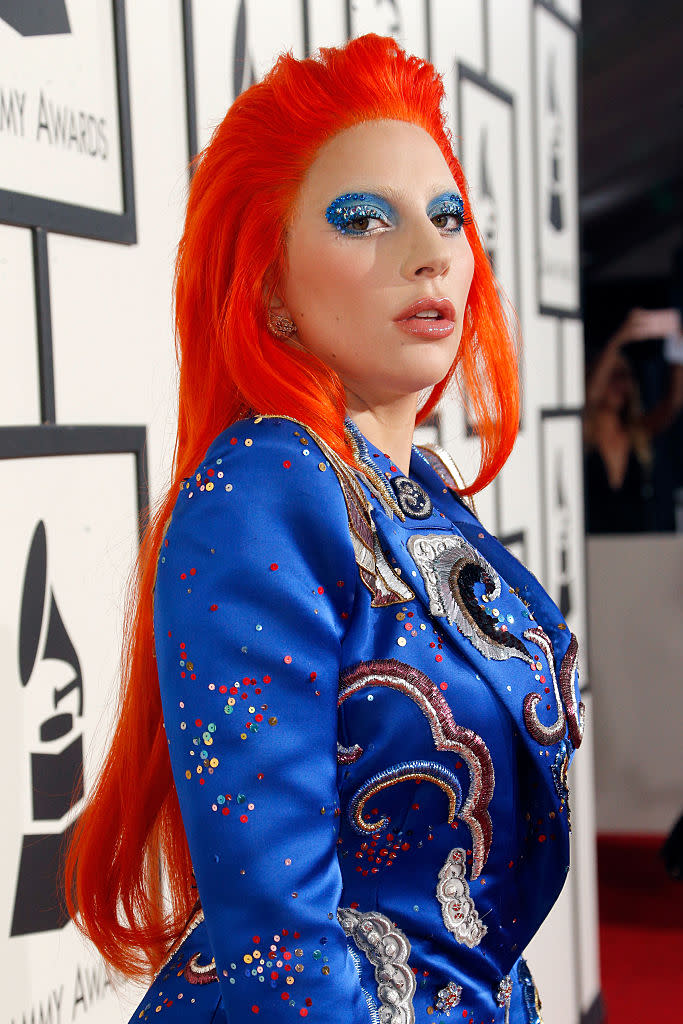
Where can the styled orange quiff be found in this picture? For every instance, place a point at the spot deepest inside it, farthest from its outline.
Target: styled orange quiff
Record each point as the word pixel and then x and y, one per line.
pixel 230 257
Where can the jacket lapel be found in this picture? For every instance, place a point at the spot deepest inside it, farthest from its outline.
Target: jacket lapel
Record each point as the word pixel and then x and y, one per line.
pixel 496 615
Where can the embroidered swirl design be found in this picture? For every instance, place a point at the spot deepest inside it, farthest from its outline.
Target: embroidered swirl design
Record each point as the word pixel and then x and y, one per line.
pixel 196 918
pixel 200 974
pixel 457 906
pixel 576 714
pixel 568 713
pixel 543 734
pixel 413 499
pixel 418 771
pixel 451 568
pixel 447 735
pixel 387 949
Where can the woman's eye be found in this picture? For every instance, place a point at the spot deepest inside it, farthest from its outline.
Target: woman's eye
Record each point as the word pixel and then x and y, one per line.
pixel 359 225
pixel 440 220
pixel 448 215
pixel 449 222
pixel 353 217
pixel 362 223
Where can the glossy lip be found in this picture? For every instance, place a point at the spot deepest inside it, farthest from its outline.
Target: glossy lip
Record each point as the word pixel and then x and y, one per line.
pixel 408 321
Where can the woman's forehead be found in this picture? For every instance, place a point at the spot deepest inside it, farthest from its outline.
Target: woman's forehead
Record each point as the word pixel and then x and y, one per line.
pixel 397 156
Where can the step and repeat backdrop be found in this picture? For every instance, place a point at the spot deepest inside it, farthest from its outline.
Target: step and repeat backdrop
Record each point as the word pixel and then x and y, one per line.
pixel 102 104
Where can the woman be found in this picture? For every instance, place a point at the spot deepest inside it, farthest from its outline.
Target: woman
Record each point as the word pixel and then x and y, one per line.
pixel 356 679
pixel 618 434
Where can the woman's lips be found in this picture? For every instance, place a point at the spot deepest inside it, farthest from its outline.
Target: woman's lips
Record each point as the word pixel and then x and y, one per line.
pixel 428 327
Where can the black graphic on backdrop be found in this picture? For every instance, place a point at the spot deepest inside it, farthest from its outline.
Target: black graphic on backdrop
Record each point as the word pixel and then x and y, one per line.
pixel 564 581
pixel 36 17
pixel 56 775
pixel 487 208
pixel 556 156
pixel 243 73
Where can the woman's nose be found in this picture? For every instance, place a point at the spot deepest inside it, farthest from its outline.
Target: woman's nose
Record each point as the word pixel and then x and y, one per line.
pixel 427 253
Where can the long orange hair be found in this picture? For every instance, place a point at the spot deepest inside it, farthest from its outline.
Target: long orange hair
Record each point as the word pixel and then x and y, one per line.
pixel 130 834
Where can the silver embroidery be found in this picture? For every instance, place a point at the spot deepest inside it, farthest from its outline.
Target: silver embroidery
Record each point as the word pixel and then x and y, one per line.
pixel 504 995
pixel 371 1004
pixel 387 949
pixel 450 568
pixel 448 998
pixel 457 906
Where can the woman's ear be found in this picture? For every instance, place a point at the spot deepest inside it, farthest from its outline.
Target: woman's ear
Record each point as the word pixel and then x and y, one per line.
pixel 280 323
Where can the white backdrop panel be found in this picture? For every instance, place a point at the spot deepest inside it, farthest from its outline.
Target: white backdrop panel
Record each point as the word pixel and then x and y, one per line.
pixel 584 861
pixel 111 304
pixel 326 23
pixel 404 20
pixel 234 44
pixel 88 505
pixel 19 392
pixel 573 360
pixel 556 162
pixel 66 143
pixel 552 960
pixel 457 35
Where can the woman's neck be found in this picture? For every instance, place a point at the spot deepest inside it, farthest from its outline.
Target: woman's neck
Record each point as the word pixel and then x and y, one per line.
pixel 390 428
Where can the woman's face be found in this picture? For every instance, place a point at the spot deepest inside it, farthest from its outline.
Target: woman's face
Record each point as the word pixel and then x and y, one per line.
pixel 377 229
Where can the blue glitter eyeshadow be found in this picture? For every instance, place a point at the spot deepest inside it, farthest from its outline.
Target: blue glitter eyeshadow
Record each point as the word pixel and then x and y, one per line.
pixel 449 204
pixel 353 205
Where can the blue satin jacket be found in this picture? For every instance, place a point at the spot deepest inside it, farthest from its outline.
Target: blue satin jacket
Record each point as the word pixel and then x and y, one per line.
pixel 370 707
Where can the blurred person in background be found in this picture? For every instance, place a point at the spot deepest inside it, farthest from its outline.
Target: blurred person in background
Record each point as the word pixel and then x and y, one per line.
pixel 619 433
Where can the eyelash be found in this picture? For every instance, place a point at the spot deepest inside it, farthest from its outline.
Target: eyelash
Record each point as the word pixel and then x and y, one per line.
pixel 343 217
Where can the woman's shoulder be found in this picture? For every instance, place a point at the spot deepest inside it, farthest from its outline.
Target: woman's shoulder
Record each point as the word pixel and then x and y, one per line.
pixel 265 469
pixel 267 432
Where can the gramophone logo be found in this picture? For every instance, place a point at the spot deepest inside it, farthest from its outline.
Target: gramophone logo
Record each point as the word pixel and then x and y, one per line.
pixel 36 17
pixel 565 601
pixel 487 206
pixel 50 673
pixel 243 73
pixel 556 157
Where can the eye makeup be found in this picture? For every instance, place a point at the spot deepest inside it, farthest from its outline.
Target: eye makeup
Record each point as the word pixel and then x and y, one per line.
pixel 353 206
pixel 344 211
pixel 450 204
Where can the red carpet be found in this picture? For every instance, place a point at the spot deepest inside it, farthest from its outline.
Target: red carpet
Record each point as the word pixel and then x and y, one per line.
pixel 641 932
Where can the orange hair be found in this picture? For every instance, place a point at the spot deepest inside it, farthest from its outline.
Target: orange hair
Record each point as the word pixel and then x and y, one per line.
pixel 229 260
